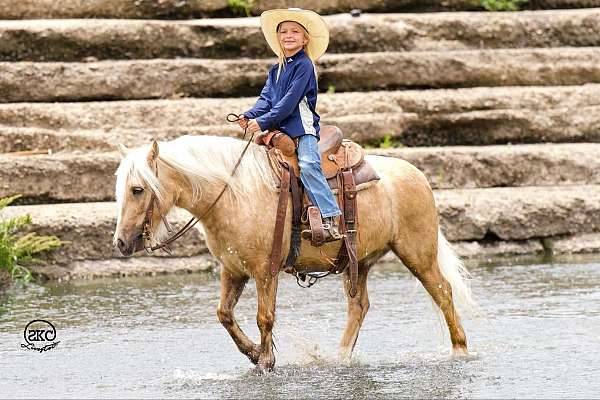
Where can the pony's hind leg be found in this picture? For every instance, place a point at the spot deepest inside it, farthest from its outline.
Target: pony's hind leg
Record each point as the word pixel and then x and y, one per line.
pixel 420 256
pixel 358 306
pixel 231 289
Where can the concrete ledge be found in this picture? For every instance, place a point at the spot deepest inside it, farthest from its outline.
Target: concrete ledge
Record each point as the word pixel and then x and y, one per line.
pixel 486 251
pixel 65 177
pixel 122 267
pixel 28 9
pixel 574 244
pixel 77 40
pixel 472 252
pixel 518 213
pixel 25 139
pixel 469 116
pixel 153 79
pixel 505 214
pixel 504 166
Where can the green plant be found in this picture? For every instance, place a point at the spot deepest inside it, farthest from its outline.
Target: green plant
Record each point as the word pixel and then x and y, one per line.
pixel 18 250
pixel 502 5
pixel 388 142
pixel 330 89
pixel 241 6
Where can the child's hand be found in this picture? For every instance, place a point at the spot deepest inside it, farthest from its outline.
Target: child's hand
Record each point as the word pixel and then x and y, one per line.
pixel 253 126
pixel 243 121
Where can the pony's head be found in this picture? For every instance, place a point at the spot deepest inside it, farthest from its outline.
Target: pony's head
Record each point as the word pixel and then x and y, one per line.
pixel 142 200
pixel 189 172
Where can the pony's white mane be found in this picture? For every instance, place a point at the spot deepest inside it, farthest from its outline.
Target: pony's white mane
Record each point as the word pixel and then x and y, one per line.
pixel 204 160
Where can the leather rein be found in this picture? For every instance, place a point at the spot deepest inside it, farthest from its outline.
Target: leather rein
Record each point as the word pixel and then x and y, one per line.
pixel 147 225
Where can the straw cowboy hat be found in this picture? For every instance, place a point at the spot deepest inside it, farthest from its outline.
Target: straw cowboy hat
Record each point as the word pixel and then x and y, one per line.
pixel 311 21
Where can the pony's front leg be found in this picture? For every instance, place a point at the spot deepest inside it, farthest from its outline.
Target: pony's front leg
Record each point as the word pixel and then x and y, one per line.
pixel 266 288
pixel 231 288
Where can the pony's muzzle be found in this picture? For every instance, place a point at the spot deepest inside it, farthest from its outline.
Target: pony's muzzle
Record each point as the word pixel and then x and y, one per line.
pixel 123 248
pixel 128 247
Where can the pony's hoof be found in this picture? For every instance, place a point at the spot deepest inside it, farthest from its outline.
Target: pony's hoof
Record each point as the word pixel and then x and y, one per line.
pixel 345 356
pixel 264 368
pixel 254 354
pixel 460 352
pixel 265 364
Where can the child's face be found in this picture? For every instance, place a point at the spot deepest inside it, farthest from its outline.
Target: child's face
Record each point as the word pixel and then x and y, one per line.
pixel 291 36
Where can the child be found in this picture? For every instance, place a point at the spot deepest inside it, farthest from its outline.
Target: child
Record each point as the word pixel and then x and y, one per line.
pixel 287 102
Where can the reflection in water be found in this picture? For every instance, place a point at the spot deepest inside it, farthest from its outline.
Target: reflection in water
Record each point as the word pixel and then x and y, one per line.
pixel 159 336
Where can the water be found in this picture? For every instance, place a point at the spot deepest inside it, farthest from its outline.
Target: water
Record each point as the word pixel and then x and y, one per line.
pixel 159 337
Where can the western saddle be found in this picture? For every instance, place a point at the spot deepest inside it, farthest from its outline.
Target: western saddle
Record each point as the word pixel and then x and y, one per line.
pixel 346 171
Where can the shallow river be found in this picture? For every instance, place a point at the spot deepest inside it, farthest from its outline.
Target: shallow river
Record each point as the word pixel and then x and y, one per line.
pixel 159 337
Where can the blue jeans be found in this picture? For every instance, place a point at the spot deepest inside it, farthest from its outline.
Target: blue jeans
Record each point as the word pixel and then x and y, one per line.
pixel 311 175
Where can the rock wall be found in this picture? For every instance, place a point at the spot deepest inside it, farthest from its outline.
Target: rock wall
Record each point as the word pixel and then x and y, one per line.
pixel 499 110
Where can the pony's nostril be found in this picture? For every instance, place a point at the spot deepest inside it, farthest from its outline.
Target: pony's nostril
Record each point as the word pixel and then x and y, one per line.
pixel 121 244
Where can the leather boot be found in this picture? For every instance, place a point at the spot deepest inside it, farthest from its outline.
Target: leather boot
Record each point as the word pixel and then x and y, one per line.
pixel 331 226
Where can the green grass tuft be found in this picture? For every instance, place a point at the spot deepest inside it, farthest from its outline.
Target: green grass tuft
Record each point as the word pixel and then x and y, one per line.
pixel 502 5
pixel 388 142
pixel 243 7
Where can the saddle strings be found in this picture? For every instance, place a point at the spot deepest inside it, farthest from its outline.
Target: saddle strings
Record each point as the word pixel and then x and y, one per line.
pixel 190 224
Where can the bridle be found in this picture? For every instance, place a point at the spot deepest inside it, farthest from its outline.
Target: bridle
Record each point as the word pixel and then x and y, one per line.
pixel 147 224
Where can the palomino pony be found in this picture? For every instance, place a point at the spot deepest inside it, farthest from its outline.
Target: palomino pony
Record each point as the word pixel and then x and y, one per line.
pixel 398 213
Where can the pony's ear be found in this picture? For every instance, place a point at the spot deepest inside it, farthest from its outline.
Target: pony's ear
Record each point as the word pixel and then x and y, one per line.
pixel 122 149
pixel 153 154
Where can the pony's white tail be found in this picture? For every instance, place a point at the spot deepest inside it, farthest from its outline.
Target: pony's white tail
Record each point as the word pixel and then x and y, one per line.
pixel 456 274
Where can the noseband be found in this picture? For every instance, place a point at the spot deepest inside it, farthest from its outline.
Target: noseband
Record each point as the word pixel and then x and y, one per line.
pixel 147 224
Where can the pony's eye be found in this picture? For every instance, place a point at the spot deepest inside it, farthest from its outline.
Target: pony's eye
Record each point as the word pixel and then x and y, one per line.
pixel 137 190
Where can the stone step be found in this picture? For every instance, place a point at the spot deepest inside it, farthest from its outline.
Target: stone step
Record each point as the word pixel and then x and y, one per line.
pixel 79 40
pixel 170 9
pixel 574 247
pixel 27 139
pixel 152 79
pixel 65 177
pixel 467 215
pixel 133 266
pixel 469 116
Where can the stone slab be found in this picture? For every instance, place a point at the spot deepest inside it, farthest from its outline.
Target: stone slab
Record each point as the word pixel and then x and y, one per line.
pixel 577 248
pixel 467 116
pixel 99 39
pixel 30 9
pixel 518 213
pixel 28 139
pixel 122 267
pixel 89 177
pixel 498 214
pixel 586 243
pixel 34 9
pixel 504 166
pixel 155 79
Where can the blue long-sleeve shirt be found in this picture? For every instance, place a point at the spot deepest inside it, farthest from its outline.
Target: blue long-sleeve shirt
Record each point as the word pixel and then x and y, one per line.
pixel 289 103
